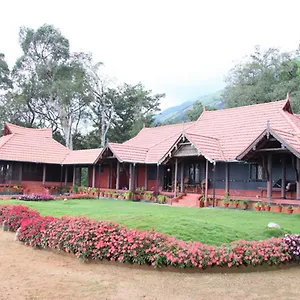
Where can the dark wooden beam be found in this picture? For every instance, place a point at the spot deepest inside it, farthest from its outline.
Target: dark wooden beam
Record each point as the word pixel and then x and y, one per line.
pixel 272 150
pixel 283 177
pixel 269 181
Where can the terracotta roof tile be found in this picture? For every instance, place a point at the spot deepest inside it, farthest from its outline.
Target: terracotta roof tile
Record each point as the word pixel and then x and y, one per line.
pixel 128 153
pixel 82 157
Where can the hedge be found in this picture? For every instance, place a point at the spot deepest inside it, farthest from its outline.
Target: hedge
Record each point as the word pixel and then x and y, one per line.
pixel 89 239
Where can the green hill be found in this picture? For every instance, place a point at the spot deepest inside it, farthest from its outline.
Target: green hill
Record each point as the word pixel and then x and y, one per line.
pixel 178 113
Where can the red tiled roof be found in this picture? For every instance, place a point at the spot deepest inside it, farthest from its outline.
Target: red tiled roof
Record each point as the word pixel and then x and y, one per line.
pixel 31 148
pixel 37 145
pixel 82 157
pixel 221 134
pixel 127 153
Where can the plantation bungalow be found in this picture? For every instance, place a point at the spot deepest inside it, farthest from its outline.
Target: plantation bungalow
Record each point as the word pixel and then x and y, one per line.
pixel 250 151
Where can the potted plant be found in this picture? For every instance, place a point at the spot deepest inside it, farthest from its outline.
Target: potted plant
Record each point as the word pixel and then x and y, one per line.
pixel 263 206
pixel 201 201
pixel 147 196
pixel 268 206
pixel 127 195
pixel 161 199
pixel 236 203
pixel 278 207
pixel 257 206
pixel 290 209
pixel 226 202
pixel 245 204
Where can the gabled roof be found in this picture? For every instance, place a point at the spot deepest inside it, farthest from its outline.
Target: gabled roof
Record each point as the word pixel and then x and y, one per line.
pixel 220 135
pixel 37 145
pixel 126 153
pixel 29 145
pixel 82 157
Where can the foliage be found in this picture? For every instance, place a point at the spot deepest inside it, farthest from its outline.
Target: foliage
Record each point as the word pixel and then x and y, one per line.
pixel 89 239
pixel 293 242
pixel 161 199
pixel 50 86
pixel 15 215
pixel 264 76
pixel 209 226
pixel 35 197
pixel 194 113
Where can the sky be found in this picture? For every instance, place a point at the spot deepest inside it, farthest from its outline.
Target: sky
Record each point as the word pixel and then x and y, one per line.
pixel 181 48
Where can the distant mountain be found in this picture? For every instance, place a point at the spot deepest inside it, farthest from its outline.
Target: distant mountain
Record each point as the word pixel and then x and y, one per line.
pixel 178 112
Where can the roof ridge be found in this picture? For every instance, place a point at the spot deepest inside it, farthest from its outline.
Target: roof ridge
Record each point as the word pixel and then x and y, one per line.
pixel 220 149
pixel 294 126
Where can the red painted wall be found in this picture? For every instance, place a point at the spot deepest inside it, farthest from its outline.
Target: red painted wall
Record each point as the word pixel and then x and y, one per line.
pixel 103 177
pixel 140 180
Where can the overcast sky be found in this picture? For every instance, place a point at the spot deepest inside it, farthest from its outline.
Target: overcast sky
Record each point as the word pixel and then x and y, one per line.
pixel 181 48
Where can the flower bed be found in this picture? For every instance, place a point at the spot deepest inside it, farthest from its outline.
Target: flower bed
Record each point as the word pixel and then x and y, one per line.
pixel 34 197
pixel 89 239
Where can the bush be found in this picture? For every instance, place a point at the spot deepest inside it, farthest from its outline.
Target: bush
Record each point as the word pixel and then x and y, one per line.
pixel 293 243
pixel 161 199
pixel 35 197
pixel 15 215
pixel 31 231
pixel 89 239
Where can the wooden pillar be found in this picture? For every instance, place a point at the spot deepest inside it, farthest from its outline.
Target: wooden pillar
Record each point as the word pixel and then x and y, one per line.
pixel 108 176
pixel 283 177
pixel 130 178
pixel 74 175
pixel 206 183
pixel 20 172
pixel 214 182
pixel 99 179
pixel 269 179
pixel 182 178
pixel 79 179
pixel 61 178
pixel 44 174
pixel 175 179
pixel 146 177
pixel 157 179
pixel 94 176
pixel 118 176
pixel 66 176
pixel 298 179
pixel 227 179
pixel 133 177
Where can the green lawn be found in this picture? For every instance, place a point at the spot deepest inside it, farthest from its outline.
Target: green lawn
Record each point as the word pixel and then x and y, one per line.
pixel 211 226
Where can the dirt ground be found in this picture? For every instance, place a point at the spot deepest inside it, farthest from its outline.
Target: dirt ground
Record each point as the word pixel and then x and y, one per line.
pixel 26 273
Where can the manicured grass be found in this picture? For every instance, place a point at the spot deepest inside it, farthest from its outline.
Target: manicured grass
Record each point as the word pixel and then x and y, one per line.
pixel 211 226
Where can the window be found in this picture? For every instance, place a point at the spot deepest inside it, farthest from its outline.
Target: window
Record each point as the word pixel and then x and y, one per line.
pixel 256 172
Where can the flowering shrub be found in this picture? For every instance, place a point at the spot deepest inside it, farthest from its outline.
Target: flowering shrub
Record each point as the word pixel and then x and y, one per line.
pixel 293 243
pixel 31 231
pixel 15 215
pixel 89 239
pixel 35 197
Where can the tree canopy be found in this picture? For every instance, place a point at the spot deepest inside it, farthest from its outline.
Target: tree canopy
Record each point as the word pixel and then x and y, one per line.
pixel 264 76
pixel 49 86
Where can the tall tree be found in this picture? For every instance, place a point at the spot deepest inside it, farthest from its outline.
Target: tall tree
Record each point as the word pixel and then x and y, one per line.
pixel 5 79
pixel 263 76
pixel 134 108
pixel 51 80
